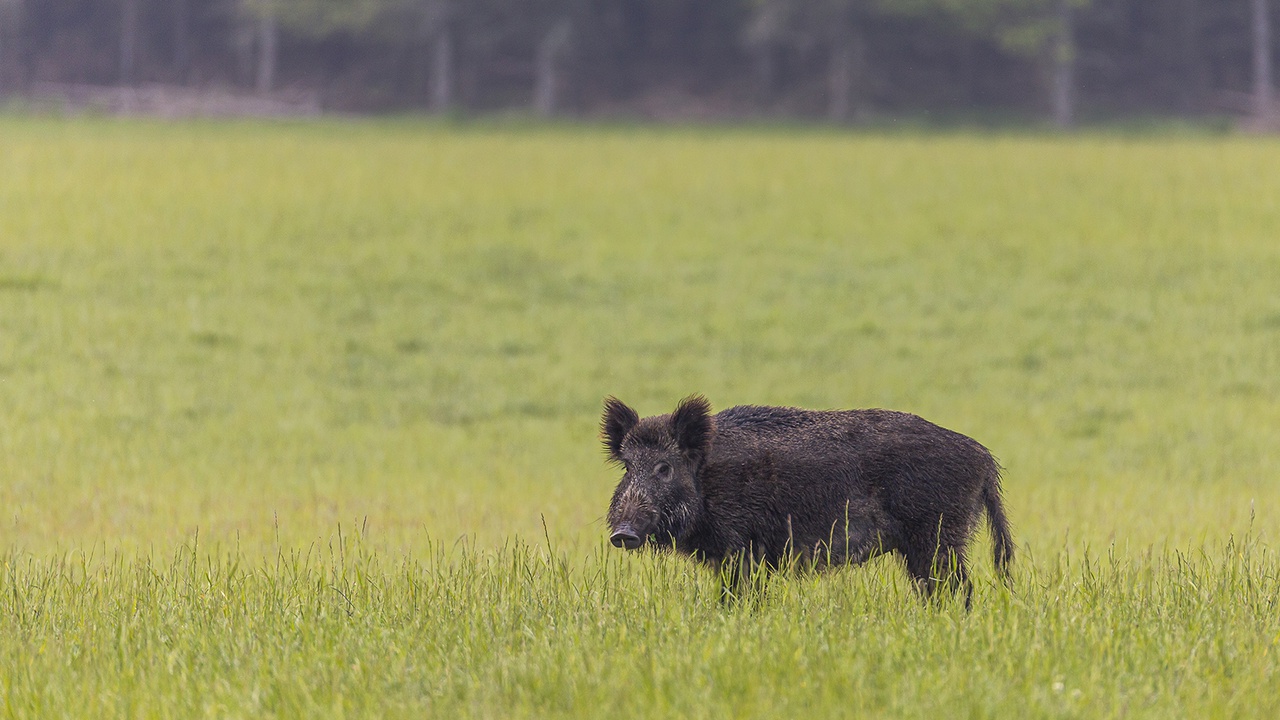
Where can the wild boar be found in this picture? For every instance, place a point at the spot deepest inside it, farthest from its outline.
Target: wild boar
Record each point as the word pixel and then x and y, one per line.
pixel 757 485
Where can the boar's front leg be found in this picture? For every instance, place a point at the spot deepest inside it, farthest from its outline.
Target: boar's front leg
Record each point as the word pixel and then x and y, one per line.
pixel 854 545
pixel 743 574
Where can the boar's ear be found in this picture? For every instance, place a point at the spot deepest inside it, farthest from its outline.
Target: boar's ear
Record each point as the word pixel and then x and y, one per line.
pixel 692 425
pixel 617 422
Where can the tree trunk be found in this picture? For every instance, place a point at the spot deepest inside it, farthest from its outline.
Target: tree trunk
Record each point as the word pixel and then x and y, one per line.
pixel 128 41
pixel 1062 90
pixel 1263 104
pixel 766 72
pixel 844 76
pixel 181 40
pixel 268 37
pixel 10 58
pixel 547 78
pixel 762 38
pixel 839 78
pixel 242 40
pixel 968 71
pixel 442 71
pixel 1192 91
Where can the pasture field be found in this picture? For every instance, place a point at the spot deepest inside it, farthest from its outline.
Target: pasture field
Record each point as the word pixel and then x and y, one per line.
pixel 300 419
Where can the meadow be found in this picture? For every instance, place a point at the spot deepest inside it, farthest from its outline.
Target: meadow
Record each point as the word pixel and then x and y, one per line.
pixel 300 419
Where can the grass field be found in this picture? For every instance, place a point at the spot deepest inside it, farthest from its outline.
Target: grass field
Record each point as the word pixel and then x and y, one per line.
pixel 300 419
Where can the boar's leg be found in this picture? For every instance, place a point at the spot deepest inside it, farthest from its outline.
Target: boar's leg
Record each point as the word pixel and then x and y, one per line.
pixel 854 546
pixel 937 555
pixel 946 565
pixel 863 532
pixel 743 574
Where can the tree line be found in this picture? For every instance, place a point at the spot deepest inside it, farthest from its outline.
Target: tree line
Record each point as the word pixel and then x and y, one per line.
pixel 840 59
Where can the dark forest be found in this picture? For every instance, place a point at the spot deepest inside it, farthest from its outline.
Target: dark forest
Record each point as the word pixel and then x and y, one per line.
pixel 1058 61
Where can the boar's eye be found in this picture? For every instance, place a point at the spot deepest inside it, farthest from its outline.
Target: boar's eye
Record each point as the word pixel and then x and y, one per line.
pixel 662 470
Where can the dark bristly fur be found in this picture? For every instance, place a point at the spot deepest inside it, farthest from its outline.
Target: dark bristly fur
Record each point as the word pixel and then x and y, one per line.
pixel 771 485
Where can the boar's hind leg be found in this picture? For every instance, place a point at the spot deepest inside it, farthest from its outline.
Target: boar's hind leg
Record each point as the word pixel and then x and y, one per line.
pixel 943 564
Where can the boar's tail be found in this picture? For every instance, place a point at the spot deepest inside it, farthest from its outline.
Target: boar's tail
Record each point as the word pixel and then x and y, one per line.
pixel 1001 538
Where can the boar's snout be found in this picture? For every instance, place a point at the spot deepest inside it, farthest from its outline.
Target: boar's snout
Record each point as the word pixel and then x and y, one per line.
pixel 624 536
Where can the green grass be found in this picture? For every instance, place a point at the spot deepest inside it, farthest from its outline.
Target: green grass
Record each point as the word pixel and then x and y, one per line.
pixel 523 632
pixel 362 363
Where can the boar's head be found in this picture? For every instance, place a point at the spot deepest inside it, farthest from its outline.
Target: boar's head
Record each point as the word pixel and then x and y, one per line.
pixel 659 498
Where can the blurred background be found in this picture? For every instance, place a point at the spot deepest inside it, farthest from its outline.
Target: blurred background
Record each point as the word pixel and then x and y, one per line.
pixel 986 61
